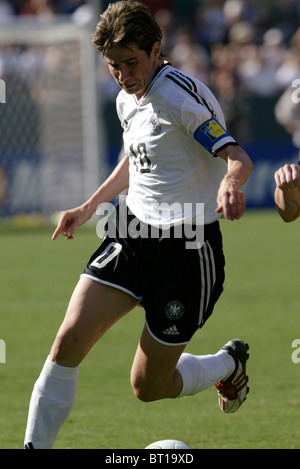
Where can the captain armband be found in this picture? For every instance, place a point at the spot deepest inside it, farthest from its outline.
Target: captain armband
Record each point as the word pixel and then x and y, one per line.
pixel 209 133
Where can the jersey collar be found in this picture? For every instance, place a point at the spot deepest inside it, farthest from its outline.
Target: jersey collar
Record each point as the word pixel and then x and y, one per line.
pixel 157 74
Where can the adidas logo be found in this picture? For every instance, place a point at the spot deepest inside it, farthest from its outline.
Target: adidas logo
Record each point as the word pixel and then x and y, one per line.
pixel 171 331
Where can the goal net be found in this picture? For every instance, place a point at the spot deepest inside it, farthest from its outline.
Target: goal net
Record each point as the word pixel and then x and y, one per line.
pixel 52 146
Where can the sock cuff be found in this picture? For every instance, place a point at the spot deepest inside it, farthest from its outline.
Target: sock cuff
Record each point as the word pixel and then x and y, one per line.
pixel 186 374
pixel 60 372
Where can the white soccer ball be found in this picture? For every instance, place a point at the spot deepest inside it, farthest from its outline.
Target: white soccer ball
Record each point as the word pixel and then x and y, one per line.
pixel 168 444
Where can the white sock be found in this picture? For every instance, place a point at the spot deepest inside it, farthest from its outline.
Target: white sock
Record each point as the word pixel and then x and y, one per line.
pixel 200 372
pixel 51 402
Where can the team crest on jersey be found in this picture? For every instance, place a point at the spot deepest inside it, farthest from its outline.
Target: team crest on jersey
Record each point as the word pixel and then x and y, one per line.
pixel 174 310
pixel 156 125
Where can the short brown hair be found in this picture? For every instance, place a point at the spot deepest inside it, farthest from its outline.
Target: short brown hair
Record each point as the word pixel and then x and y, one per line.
pixel 126 22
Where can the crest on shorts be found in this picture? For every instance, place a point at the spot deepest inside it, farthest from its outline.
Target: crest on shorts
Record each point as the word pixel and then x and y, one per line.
pixel 174 310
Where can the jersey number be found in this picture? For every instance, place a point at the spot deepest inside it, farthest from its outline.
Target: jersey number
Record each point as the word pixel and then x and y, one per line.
pixel 141 159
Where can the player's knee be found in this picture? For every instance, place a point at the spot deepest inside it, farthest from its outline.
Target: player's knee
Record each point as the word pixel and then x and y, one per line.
pixel 65 349
pixel 145 391
pixel 144 395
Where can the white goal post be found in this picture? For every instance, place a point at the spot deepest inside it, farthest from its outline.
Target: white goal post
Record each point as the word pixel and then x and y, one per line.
pixel 52 142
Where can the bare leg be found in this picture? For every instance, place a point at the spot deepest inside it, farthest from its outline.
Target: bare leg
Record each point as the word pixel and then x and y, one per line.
pixel 154 374
pixel 92 310
pixel 164 371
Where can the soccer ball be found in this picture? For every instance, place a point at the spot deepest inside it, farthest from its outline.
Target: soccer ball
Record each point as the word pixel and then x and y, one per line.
pixel 168 444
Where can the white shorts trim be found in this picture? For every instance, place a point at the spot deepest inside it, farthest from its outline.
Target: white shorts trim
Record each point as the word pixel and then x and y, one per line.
pixel 104 282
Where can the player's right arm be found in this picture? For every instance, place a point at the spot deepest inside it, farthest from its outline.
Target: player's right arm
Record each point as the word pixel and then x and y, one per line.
pixel 287 192
pixel 70 220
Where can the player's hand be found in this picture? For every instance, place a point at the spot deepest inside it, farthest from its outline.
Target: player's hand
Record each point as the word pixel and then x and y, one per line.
pixel 230 199
pixel 288 177
pixel 69 221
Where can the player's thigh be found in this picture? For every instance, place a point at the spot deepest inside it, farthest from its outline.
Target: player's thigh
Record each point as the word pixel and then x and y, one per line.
pixel 154 374
pixel 92 310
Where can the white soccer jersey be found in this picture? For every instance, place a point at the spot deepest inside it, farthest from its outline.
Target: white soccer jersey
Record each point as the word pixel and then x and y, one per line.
pixel 170 136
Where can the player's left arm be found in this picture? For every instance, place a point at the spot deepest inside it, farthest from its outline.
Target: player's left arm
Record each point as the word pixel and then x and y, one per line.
pixel 230 198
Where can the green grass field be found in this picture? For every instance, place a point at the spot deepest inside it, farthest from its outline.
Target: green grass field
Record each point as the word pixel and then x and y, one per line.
pixel 260 304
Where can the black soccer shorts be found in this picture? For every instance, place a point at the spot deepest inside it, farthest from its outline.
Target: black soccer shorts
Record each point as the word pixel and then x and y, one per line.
pixel 178 287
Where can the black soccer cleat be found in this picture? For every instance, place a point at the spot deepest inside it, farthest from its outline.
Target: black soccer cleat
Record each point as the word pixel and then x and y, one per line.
pixel 233 391
pixel 28 446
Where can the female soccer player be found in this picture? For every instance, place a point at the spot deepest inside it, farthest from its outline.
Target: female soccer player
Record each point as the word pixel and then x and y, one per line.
pixel 182 171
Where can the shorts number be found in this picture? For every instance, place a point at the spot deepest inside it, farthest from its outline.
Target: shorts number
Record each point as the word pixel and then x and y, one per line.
pixel 107 255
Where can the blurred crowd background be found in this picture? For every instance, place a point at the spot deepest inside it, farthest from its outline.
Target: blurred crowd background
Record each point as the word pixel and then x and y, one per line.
pixel 246 51
pixel 239 48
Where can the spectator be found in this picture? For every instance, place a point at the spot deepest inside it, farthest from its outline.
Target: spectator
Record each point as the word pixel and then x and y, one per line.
pixel 6 10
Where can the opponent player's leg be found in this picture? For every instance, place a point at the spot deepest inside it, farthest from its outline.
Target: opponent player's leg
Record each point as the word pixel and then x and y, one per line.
pixel 93 309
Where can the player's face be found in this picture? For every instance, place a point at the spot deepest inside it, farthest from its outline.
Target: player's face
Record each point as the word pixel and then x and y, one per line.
pixel 132 68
